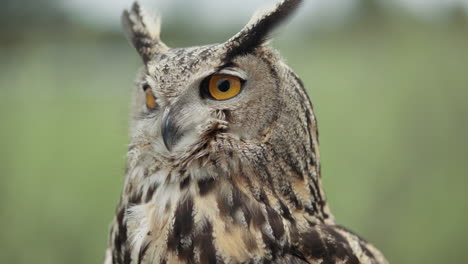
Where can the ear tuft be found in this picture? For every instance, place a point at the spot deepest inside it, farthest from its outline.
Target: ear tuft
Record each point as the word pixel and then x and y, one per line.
pixel 256 32
pixel 143 31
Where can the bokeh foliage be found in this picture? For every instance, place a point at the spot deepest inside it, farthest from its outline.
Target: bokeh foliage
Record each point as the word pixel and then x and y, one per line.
pixel 390 93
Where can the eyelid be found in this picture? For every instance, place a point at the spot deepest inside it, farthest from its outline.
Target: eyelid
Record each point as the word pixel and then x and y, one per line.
pixel 233 72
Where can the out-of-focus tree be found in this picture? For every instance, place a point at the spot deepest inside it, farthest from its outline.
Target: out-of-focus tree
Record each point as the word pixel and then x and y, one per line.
pixel 368 8
pixel 370 11
pixel 29 15
pixel 459 15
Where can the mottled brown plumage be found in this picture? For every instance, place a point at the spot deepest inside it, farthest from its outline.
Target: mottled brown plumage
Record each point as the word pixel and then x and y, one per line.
pixel 224 181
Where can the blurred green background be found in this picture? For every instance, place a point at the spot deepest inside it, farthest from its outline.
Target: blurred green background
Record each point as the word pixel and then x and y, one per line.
pixel 390 88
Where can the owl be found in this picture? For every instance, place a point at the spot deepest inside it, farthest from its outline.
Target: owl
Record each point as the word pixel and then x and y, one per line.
pixel 224 163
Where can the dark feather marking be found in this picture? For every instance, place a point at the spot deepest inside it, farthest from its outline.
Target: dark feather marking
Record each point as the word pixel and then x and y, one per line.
pixel 127 257
pixel 183 171
pixel 223 205
pixel 271 245
pixel 150 192
pixel 249 39
pixel 227 116
pixel 135 198
pixel 310 209
pixel 258 219
pixel 333 250
pixel 330 246
pixel 227 208
pixel 275 222
pixel 185 182
pixel 285 212
pixel 292 198
pixel 313 246
pixel 322 204
pixel 237 199
pixel 129 188
pixel 314 204
pixel 180 237
pixel 142 252
pixel 142 41
pixel 311 163
pixel 342 249
pixel 294 235
pixel 294 166
pixel 362 241
pixel 366 250
pixel 214 162
pixel 204 243
pixel 167 208
pixel 120 239
pixel 206 185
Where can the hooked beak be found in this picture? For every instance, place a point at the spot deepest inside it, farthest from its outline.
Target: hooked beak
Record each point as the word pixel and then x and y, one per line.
pixel 169 130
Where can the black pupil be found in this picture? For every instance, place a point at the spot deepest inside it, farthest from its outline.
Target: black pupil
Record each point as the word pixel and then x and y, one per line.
pixel 224 85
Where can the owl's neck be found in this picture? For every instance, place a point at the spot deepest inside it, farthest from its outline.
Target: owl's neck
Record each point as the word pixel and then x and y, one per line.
pixel 249 200
pixel 280 180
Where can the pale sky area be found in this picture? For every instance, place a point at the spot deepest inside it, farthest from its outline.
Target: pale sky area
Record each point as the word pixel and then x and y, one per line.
pixel 106 13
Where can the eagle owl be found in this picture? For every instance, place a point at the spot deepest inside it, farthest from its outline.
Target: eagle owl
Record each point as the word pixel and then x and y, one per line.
pixel 224 163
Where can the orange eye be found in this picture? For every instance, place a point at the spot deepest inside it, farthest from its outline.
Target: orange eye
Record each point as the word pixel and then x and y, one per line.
pixel 150 99
pixel 223 87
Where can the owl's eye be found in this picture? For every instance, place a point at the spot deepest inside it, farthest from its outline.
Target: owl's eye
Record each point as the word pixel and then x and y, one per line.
pixel 223 87
pixel 150 99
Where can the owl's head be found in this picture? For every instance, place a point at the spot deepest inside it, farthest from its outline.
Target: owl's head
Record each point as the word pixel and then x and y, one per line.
pixel 188 98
